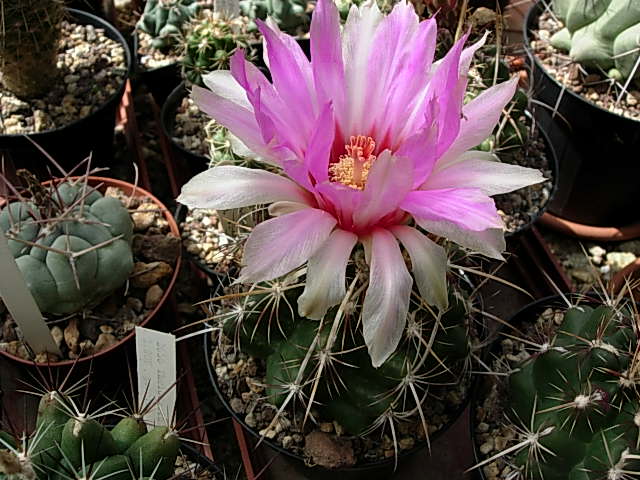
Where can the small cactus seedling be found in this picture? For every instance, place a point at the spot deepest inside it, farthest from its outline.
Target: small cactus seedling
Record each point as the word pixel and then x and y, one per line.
pixel 71 244
pixel 209 42
pixel 601 34
pixel 164 20
pixel 574 402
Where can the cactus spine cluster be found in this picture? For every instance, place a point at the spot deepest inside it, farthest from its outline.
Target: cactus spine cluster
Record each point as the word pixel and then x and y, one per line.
pixel 576 401
pixel 210 41
pixel 324 364
pixel 601 34
pixel 71 244
pixel 164 20
pixel 29 38
pixel 290 15
pixel 71 444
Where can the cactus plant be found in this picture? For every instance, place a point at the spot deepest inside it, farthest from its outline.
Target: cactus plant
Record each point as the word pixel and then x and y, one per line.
pixel 164 20
pixel 29 45
pixel 290 15
pixel 209 42
pixel 71 244
pixel 601 34
pixel 324 364
pixel 575 400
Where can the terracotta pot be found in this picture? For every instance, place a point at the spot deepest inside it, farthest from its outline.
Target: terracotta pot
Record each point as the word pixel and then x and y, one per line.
pixel 135 191
pixel 589 232
pixel 630 274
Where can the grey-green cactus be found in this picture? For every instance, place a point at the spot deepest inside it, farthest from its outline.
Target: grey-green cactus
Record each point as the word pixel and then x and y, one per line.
pixel 74 445
pixel 577 400
pixel 325 364
pixel 209 42
pixel 290 15
pixel 71 244
pixel 601 34
pixel 164 20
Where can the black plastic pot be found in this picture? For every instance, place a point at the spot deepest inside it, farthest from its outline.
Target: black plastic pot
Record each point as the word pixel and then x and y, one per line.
pixel 379 470
pixel 597 150
pixel 70 144
pixel 528 313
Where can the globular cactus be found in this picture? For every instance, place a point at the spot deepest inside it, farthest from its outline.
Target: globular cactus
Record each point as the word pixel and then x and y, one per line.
pixel 29 41
pixel 325 364
pixel 576 401
pixel 73 444
pixel 71 244
pixel 164 20
pixel 290 15
pixel 601 34
pixel 209 42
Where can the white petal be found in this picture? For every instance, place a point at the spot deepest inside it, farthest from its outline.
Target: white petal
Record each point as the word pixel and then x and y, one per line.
pixel 429 264
pixel 386 303
pixel 222 83
pixel 228 186
pixel 326 271
pixel 285 207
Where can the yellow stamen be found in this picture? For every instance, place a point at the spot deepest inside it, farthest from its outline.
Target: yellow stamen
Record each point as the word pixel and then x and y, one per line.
pixel 352 168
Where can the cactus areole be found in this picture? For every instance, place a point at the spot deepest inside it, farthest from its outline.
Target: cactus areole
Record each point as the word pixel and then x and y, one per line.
pixel 71 244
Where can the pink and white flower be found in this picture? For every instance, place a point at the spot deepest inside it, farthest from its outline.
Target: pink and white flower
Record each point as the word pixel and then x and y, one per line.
pixel 372 137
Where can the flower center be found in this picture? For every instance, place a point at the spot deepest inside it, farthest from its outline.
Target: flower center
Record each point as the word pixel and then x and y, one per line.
pixel 352 168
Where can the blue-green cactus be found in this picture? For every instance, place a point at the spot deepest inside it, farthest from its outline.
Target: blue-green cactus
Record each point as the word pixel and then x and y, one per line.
pixel 164 20
pixel 601 33
pixel 72 245
pixel 290 15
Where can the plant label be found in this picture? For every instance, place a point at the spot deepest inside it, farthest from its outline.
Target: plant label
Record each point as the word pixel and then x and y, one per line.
pixel 156 359
pixel 21 305
pixel 227 8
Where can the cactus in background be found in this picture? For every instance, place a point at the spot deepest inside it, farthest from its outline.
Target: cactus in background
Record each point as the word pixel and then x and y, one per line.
pixel 576 401
pixel 209 42
pixel 326 365
pixel 164 20
pixel 72 244
pixel 601 34
pixel 29 37
pixel 290 15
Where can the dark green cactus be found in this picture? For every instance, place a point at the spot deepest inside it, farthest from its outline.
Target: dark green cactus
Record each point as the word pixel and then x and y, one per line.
pixel 295 349
pixel 71 244
pixel 577 399
pixel 209 43
pixel 601 33
pixel 290 15
pixel 164 20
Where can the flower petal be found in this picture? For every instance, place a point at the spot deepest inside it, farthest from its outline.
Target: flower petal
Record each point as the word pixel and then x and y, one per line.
pixel 279 245
pixel 429 264
pixel 479 118
pixel 386 303
pixel 326 272
pixel 228 186
pixel 468 208
pixel 316 157
pixel 482 170
pixel 488 242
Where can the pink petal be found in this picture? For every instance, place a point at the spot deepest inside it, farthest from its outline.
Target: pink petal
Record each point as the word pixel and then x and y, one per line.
pixel 479 118
pixel 386 303
pixel 235 187
pixel 489 243
pixel 280 245
pixel 326 272
pixel 388 183
pixel 326 55
pixel 319 149
pixel 482 170
pixel 468 208
pixel 421 148
pixel 429 264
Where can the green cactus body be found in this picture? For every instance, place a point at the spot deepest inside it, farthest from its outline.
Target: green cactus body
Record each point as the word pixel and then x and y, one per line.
pixel 84 439
pixel 29 45
pixel 577 395
pixel 44 248
pixel 290 15
pixel 44 444
pixel 116 467
pixel 154 454
pixel 127 431
pixel 601 34
pixel 6 439
pixel 164 20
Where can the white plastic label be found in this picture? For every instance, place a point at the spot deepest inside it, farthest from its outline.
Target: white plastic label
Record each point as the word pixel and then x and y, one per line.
pixel 156 359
